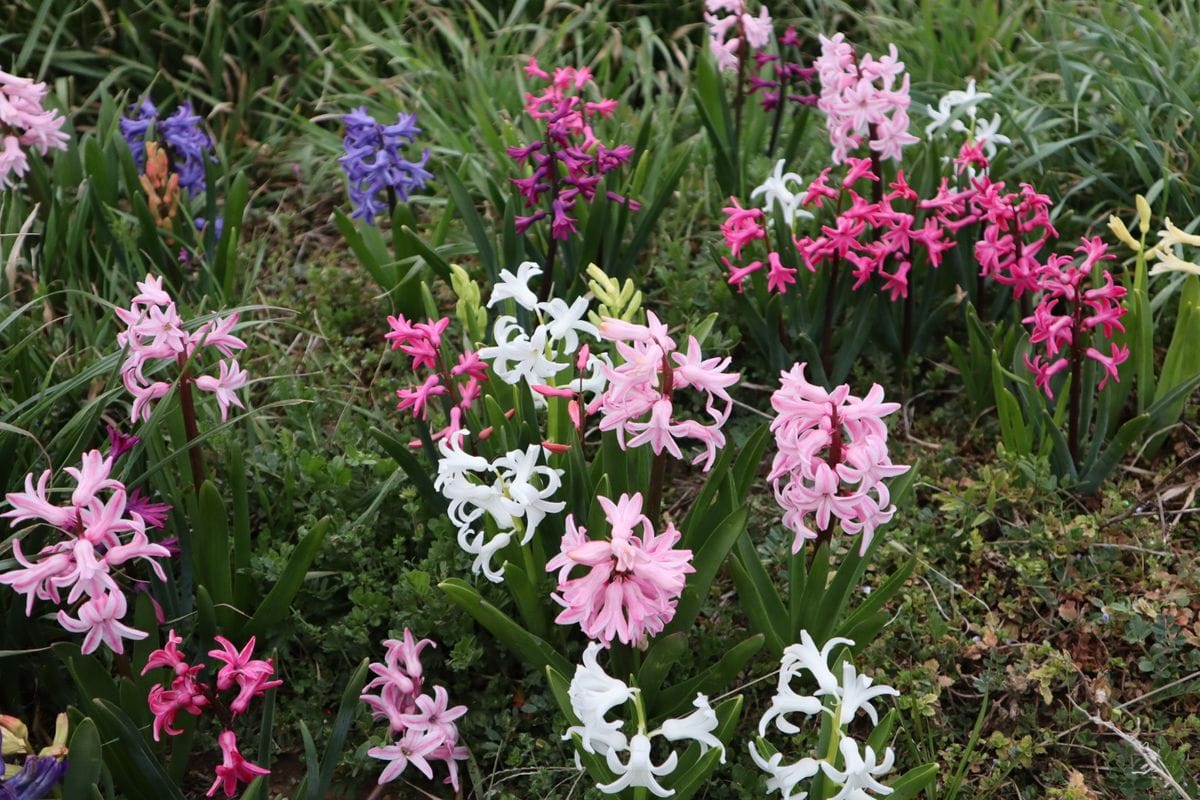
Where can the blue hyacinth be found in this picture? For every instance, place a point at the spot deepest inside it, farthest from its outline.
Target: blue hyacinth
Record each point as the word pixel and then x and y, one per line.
pixel 374 165
pixel 187 145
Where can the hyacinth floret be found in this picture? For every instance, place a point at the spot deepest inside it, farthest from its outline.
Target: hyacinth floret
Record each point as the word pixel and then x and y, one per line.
pixel 832 459
pixel 730 24
pixel 378 173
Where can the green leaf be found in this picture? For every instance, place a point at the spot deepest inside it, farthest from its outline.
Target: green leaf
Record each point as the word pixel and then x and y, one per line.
pixel 274 607
pixel 914 781
pixel 720 675
pixel 1111 456
pixel 474 222
pixel 150 779
pixel 707 561
pixel 536 652
pixel 308 788
pixel 417 471
pixel 661 656
pixel 341 728
pixel 85 762
pixel 210 545
pixel 759 599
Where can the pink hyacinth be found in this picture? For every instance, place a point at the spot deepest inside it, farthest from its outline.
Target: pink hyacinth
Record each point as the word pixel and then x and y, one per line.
pixel 864 100
pixel 100 534
pixel 154 332
pixel 1068 313
pixel 25 123
pixel 422 728
pixel 727 33
pixel 241 669
pixel 639 399
pixel 832 459
pixel 633 582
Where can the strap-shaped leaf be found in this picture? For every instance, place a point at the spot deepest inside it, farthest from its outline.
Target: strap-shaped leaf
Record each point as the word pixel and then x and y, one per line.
pixel 707 562
pixel 678 697
pixel 416 470
pixel 662 655
pixel 759 598
pixel 149 778
pixel 274 607
pixel 210 545
pixel 83 767
pixel 535 651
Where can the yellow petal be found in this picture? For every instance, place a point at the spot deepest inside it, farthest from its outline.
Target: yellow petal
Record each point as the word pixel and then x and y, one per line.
pixel 1169 262
pixel 1173 235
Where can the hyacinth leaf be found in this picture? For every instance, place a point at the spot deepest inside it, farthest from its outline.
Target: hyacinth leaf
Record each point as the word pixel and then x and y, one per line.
pixel 206 615
pixel 243 588
pixel 181 747
pixel 663 654
pixel 1017 437
pixel 148 778
pixel 267 725
pixel 277 604
pixel 882 732
pixel 308 786
pixel 675 699
pixel 915 781
pixel 1181 364
pixel 694 769
pixel 709 94
pixel 417 472
pixel 439 265
pixel 759 599
pixel 536 652
pixel 144 619
pixel 474 222
pixel 647 216
pixel 876 599
pixel 337 735
pixel 210 543
pixel 1095 473
pixel 529 602
pixel 854 338
pixel 225 266
pixel 92 678
pixel 706 561
pixel 814 589
pixel 745 470
pixel 86 759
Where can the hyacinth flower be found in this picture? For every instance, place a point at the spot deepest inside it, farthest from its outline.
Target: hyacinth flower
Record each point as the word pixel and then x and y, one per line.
pixel 854 768
pixel 594 694
pixel 832 460
pixel 453 383
pixel 639 402
pixel 241 673
pixel 779 88
pixel 569 162
pixel 634 576
pixel 378 173
pixel 97 536
pixel 1071 312
pixel 734 36
pixel 25 126
pixel 154 332
pixel 421 726
pixel 513 492
pixel 180 135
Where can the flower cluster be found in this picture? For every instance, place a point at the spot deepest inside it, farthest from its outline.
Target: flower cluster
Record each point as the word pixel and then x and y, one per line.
pixel 534 357
pixel 862 100
pixel 188 146
pixel 422 726
pixel 959 103
pixel 1163 252
pixel 154 331
pixel 726 33
pixel 639 401
pixel 39 772
pixel 374 165
pixel 569 162
pixel 1069 312
pixel 459 384
pixel 784 76
pixel 832 458
pixel 513 491
pixel 861 767
pixel 103 530
pixel 1015 228
pixel 633 582
pixel 249 676
pixel 870 235
pixel 594 694
pixel 24 123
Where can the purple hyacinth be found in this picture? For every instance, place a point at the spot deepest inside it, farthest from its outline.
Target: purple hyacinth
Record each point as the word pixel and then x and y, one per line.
pixel 374 164
pixel 187 145
pixel 35 780
pixel 787 74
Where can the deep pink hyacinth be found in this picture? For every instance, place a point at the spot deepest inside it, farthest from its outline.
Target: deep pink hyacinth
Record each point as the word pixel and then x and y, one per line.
pixel 633 581
pixel 250 675
pixel 422 727
pixel 234 768
pixel 832 459
pixel 458 384
pixel 639 400
pixel 1068 314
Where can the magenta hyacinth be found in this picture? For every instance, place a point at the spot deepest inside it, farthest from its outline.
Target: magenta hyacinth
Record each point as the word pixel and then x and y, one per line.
pixel 832 459
pixel 633 581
